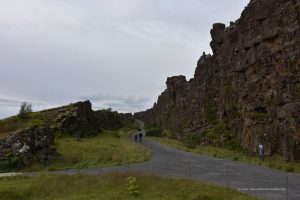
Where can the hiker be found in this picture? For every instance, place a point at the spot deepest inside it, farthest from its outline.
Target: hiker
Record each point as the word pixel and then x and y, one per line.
pixel 141 136
pixel 136 137
pixel 261 151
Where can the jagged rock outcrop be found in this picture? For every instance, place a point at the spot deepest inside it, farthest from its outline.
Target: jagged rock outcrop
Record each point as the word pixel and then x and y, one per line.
pixel 77 119
pixel 112 120
pixel 108 119
pixel 127 119
pixel 29 145
pixel 251 82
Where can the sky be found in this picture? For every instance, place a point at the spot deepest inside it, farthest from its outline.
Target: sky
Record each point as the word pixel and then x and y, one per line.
pixel 116 53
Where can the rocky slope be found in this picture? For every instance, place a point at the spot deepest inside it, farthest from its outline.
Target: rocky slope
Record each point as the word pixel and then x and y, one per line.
pixel 31 139
pixel 250 86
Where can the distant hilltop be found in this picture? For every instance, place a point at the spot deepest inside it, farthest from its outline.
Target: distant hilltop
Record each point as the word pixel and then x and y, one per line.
pixel 248 91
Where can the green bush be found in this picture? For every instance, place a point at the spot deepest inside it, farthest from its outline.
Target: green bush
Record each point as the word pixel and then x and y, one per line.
pixel 290 169
pixel 132 186
pixel 191 140
pixel 8 165
pixel 154 132
pixel 236 158
pixel 25 109
pixel 210 111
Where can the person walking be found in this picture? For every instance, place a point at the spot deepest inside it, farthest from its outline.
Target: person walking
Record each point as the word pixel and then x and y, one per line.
pixel 261 151
pixel 141 136
pixel 136 137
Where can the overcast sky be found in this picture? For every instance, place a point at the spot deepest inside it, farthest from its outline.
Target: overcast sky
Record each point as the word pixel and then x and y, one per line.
pixel 117 53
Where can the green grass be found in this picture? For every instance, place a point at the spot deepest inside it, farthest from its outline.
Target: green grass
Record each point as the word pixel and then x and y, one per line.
pixel 274 162
pixel 11 124
pixel 109 148
pixel 111 187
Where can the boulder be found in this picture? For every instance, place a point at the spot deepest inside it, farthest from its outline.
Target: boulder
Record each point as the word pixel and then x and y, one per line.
pixel 30 145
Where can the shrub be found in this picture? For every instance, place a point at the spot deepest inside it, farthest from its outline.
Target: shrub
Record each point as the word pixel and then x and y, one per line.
pixel 236 158
pixel 154 131
pixel 9 165
pixel 290 169
pixel 167 133
pixel 210 111
pixel 24 109
pixel 191 140
pixel 132 186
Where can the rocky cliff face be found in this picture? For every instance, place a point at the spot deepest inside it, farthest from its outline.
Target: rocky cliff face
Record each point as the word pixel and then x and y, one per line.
pixel 77 119
pixel 251 83
pixel 127 119
pixel 112 120
pixel 108 119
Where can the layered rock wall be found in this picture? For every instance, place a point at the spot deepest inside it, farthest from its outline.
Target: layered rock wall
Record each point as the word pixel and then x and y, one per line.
pixel 252 81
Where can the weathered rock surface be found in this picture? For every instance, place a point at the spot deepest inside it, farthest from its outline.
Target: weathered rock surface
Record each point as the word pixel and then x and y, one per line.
pixel 127 119
pixel 29 145
pixel 108 119
pixel 77 119
pixel 112 120
pixel 251 82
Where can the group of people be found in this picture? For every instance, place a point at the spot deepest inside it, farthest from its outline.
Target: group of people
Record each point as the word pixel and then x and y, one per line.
pixel 139 135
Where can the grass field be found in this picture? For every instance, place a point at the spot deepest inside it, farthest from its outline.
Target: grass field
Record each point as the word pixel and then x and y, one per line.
pixel 219 152
pixel 109 148
pixel 111 187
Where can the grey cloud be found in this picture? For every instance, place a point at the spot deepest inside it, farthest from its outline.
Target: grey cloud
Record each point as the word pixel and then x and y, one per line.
pixel 9 101
pixel 56 52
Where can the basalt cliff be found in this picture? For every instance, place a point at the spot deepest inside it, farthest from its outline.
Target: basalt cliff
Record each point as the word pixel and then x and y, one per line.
pixel 248 90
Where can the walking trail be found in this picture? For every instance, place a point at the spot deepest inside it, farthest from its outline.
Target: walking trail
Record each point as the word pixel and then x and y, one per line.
pixel 262 182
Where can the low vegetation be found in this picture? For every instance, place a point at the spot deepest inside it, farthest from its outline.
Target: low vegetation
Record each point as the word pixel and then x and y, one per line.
pixel 25 109
pixel 111 186
pixel 232 154
pixel 109 148
pixel 154 131
pixel 14 123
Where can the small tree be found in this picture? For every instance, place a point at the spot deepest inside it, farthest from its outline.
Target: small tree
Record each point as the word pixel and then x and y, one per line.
pixel 24 109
